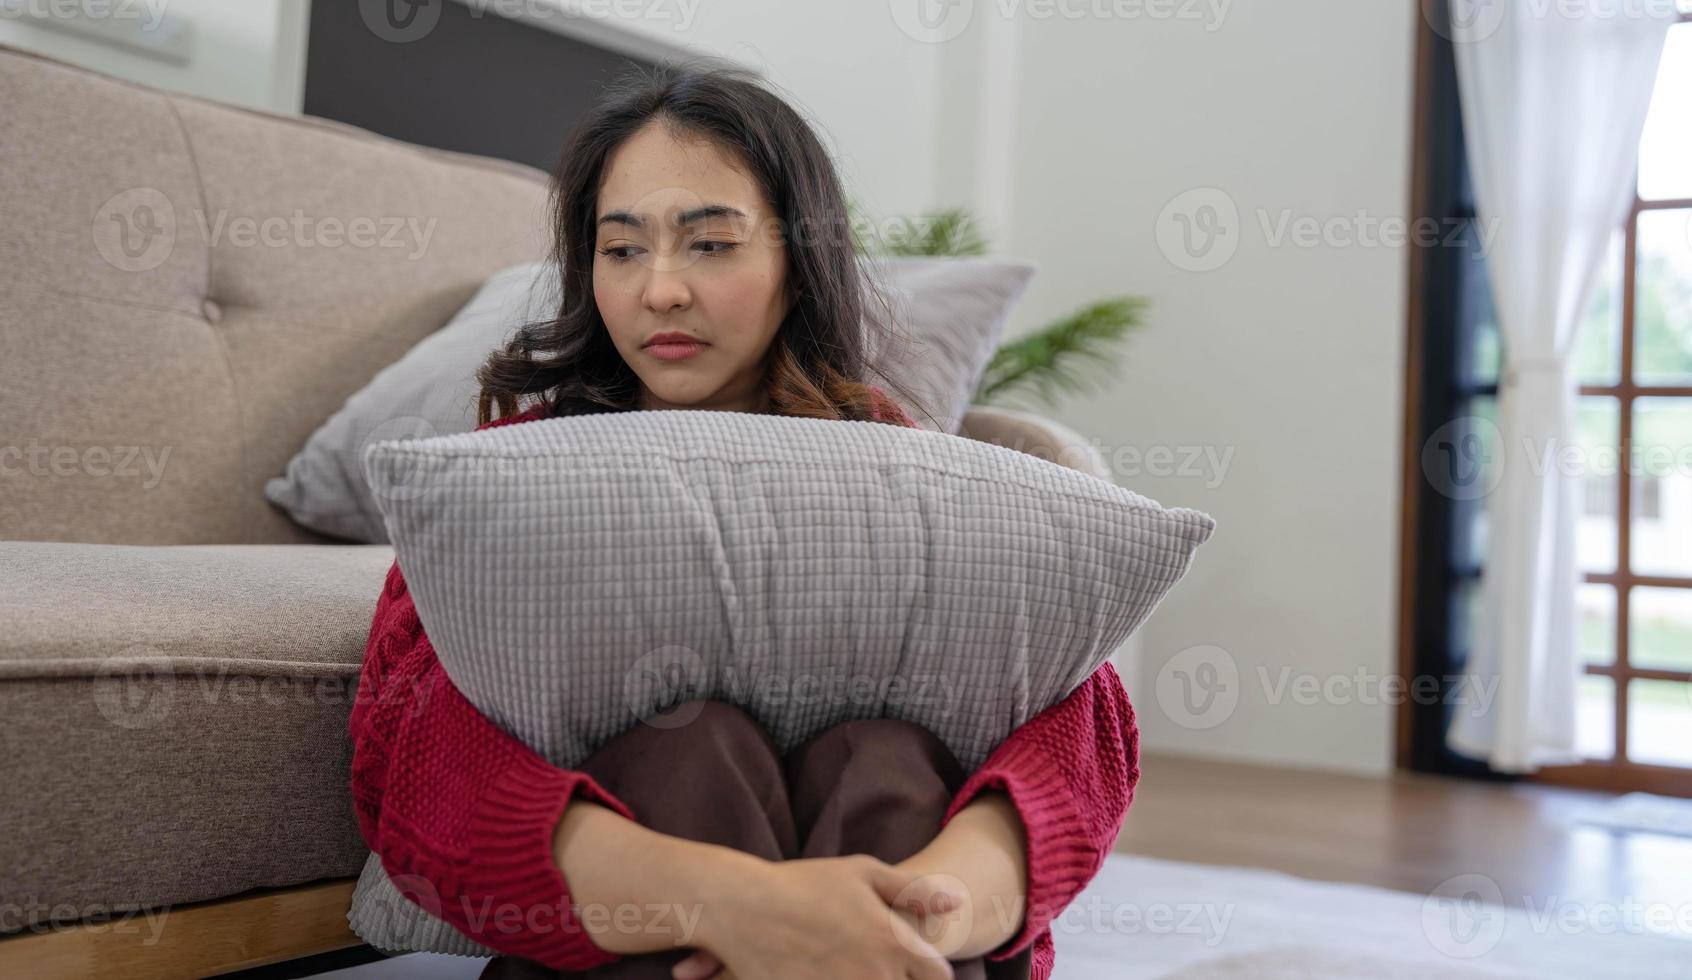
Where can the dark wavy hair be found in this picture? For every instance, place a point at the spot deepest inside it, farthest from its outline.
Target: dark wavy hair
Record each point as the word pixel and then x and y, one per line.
pixel 818 362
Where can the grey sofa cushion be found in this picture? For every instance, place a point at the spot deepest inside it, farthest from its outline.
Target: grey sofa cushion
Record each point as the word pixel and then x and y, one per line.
pixel 175 721
pixel 155 392
pixel 579 575
pixel 950 314
pixel 430 391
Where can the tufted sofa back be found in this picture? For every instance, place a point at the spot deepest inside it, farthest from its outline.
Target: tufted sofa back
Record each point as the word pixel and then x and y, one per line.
pixel 188 289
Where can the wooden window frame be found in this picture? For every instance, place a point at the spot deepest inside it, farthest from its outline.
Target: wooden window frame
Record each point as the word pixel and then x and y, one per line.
pixel 1430 574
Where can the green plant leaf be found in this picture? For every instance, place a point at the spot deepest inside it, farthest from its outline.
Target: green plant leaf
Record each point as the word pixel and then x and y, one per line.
pixel 1067 357
pixel 947 233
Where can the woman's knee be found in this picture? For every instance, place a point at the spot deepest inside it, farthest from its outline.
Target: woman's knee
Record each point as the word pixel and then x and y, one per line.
pixel 696 730
pixel 691 718
pixel 883 742
pixel 705 770
pixel 881 732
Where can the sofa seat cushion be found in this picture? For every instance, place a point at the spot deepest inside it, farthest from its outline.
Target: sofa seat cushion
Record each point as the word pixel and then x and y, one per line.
pixel 175 720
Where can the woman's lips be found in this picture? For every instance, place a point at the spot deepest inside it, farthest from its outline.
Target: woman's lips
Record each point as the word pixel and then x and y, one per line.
pixel 674 351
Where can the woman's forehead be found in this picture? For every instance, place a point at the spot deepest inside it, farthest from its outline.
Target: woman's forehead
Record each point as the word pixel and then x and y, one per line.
pixel 657 176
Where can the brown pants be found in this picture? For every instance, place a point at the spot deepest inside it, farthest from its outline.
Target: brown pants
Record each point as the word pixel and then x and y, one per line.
pixel 877 787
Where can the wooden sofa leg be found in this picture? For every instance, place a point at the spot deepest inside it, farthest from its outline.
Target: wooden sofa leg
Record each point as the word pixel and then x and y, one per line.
pixel 198 940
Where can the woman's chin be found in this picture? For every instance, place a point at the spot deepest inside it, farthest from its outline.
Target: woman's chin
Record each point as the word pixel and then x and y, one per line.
pixel 682 398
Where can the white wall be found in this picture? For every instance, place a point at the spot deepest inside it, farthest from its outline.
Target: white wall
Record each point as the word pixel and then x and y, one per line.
pixel 1290 358
pixel 247 52
pixel 1070 135
pixel 871 90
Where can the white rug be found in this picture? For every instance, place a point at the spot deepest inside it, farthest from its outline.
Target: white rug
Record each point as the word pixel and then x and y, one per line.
pixel 1145 918
pixel 1643 812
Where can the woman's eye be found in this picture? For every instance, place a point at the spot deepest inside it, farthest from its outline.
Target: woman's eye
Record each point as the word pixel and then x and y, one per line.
pixel 715 248
pixel 619 251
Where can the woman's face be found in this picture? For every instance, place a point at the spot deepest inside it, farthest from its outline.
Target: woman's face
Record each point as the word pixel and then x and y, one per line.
pixel 686 244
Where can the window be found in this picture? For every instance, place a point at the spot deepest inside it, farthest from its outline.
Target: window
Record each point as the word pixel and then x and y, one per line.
pixel 1633 432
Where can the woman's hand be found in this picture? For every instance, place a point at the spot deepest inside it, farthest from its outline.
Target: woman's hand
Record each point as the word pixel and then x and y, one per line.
pixel 818 918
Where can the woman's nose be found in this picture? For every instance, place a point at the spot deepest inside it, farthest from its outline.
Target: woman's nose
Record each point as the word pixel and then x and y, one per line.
pixel 666 286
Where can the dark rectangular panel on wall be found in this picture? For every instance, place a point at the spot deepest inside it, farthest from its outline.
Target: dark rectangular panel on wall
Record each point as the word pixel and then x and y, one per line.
pixel 443 74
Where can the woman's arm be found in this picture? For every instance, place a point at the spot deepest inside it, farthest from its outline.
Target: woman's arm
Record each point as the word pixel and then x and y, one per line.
pixel 461 814
pixel 1052 797
pixel 982 854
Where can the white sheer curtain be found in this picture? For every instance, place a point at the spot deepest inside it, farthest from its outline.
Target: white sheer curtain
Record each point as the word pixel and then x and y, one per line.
pixel 1554 96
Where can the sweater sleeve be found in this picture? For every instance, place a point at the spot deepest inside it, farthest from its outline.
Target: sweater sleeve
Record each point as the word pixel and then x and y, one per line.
pixel 1070 771
pixel 456 808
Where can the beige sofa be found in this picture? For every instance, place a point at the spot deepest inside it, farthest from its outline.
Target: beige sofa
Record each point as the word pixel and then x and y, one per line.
pixel 178 659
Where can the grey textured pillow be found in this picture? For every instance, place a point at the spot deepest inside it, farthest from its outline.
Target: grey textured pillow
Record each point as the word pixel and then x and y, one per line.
pixel 951 312
pixel 948 315
pixel 577 576
pixel 431 391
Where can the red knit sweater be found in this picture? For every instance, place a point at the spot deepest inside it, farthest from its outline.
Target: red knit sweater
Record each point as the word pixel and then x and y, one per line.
pixel 446 797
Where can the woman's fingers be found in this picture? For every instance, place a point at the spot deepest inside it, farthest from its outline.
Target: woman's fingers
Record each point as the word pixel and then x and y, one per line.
pixel 929 964
pixel 701 965
pixel 918 894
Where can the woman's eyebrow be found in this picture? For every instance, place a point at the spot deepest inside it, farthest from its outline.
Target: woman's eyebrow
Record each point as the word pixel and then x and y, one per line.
pixel 685 218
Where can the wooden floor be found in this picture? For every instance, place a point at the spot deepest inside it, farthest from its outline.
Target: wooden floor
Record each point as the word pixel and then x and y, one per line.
pixel 1406 832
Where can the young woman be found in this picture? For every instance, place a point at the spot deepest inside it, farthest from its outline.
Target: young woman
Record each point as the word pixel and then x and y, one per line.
pixel 707 263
